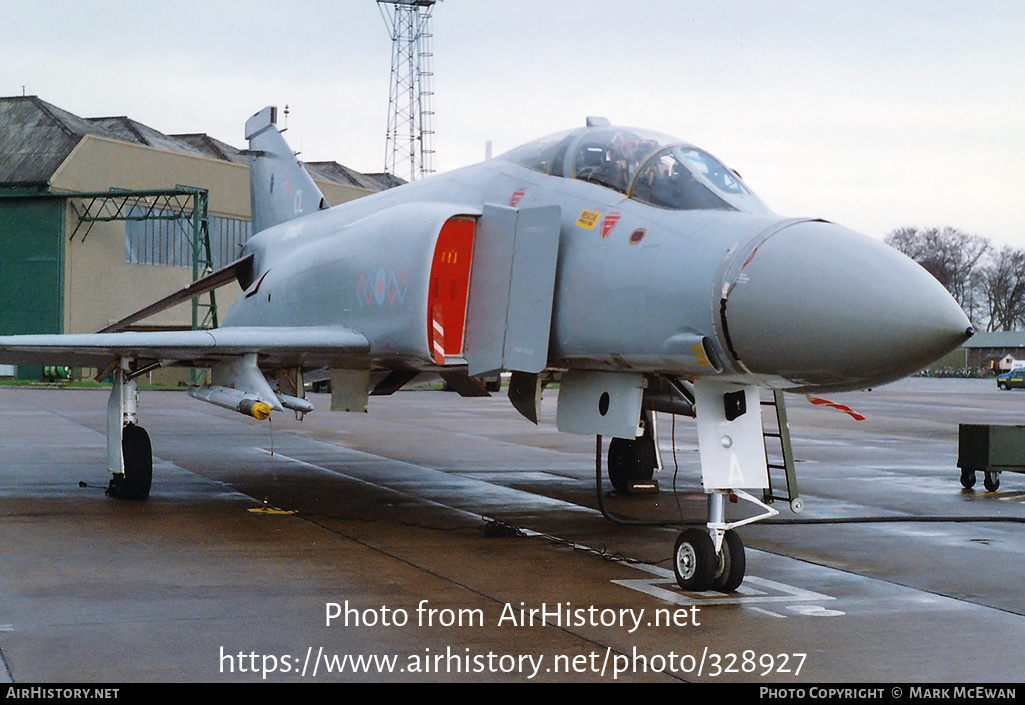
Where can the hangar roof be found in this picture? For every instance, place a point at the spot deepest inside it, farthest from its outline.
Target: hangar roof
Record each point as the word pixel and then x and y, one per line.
pixel 212 147
pixel 996 339
pixel 333 171
pixel 37 137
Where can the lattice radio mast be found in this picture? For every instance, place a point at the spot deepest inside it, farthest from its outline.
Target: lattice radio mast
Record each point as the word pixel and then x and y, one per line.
pixel 409 148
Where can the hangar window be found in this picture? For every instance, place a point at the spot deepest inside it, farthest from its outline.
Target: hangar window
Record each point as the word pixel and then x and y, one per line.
pixel 167 242
pixel 227 236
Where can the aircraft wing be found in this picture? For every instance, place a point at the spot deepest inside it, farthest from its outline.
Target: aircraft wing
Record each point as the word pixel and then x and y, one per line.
pixel 315 346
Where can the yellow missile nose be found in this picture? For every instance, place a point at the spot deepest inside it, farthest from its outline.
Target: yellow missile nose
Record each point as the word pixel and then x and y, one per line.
pixel 257 409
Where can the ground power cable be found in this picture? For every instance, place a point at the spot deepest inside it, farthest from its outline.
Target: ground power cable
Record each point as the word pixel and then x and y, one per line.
pixel 926 519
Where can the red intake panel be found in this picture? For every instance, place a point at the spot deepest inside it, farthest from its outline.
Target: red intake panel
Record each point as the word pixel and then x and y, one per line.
pixel 450 281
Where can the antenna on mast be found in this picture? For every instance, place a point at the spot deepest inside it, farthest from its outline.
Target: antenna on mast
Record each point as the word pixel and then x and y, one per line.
pixel 409 145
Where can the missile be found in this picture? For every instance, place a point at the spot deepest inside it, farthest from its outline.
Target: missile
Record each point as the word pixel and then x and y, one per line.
pixel 234 399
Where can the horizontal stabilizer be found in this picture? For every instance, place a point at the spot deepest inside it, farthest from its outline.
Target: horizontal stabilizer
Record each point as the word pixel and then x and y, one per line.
pixel 239 270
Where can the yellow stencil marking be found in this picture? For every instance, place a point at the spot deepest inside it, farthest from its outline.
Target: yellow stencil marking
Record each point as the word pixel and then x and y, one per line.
pixel 588 219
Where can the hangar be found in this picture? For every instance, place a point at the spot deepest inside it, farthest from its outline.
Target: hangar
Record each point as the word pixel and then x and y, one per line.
pixel 100 216
pixel 994 350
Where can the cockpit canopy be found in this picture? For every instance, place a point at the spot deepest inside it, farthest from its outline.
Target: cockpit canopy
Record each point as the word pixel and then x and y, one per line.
pixel 646 166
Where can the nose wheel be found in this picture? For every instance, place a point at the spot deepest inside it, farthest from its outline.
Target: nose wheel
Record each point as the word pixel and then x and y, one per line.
pixel 698 567
pixel 713 558
pixel 694 560
pixel 732 564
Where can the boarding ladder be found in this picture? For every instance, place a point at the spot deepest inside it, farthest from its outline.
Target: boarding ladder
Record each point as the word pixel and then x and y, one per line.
pixel 779 455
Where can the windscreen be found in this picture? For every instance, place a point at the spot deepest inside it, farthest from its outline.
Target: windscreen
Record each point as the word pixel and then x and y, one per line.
pixel 647 166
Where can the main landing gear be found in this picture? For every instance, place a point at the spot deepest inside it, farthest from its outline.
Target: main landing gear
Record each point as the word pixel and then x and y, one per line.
pixel 632 463
pixel 135 481
pixel 129 452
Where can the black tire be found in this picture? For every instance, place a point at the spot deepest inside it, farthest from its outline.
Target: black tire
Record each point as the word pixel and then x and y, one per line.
pixel 619 463
pixel 992 481
pixel 968 479
pixel 694 560
pixel 734 564
pixel 629 462
pixel 138 454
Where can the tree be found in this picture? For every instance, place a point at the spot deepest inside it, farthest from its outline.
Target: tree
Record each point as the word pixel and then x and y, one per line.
pixel 1003 283
pixel 988 284
pixel 952 256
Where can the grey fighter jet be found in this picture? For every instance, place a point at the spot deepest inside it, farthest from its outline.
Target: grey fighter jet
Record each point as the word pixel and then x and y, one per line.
pixel 635 268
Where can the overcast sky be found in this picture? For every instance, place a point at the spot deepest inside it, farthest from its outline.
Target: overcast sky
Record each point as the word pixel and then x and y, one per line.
pixel 872 114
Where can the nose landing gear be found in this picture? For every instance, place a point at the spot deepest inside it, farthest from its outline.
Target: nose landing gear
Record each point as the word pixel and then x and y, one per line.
pixel 694 560
pixel 714 558
pixel 698 568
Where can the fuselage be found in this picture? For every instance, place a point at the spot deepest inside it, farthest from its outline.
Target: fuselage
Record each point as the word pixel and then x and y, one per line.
pixel 649 279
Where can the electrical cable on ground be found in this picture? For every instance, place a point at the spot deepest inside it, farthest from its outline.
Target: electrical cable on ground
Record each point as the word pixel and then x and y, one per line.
pixel 937 519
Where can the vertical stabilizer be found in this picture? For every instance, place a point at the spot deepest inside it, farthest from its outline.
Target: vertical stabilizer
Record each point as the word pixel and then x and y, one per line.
pixel 280 188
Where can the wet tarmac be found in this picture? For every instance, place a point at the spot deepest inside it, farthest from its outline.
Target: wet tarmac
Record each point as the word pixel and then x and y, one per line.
pixel 390 564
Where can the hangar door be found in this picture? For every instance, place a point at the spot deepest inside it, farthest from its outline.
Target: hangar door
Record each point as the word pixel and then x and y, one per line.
pixel 31 268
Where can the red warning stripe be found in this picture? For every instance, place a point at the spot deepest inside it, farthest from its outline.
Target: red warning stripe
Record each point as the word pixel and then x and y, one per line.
pixel 818 401
pixel 437 335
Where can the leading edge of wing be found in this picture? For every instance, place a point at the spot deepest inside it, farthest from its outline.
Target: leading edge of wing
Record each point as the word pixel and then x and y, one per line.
pixel 309 346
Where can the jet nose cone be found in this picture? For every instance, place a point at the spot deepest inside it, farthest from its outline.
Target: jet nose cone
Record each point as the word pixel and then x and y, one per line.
pixel 827 308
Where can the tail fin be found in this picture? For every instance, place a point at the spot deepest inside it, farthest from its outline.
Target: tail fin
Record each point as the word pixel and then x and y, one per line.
pixel 280 188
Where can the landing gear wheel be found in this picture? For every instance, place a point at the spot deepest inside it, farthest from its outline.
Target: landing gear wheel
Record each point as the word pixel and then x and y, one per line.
pixel 629 462
pixel 138 476
pixel 992 481
pixel 734 564
pixel 968 479
pixel 694 560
